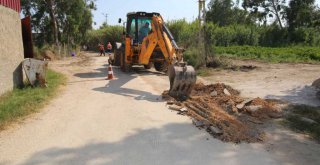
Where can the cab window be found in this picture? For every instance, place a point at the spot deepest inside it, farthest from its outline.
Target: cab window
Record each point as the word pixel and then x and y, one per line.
pixel 144 27
pixel 132 29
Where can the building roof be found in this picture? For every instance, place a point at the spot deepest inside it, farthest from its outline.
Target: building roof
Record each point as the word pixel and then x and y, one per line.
pixel 12 4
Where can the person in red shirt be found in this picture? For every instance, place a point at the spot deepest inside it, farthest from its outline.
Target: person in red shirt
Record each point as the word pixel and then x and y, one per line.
pixel 101 49
pixel 109 48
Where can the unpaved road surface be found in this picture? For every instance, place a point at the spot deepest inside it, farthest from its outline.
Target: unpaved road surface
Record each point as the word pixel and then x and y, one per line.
pixel 288 82
pixel 124 121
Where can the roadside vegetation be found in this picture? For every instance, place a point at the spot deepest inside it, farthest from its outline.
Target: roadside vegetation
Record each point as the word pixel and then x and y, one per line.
pixel 295 54
pixel 277 32
pixel 104 35
pixel 305 119
pixel 59 26
pixel 19 103
pixel 267 30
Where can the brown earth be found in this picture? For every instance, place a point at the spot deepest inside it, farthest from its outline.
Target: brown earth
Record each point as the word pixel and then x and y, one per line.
pixel 220 106
pixel 283 81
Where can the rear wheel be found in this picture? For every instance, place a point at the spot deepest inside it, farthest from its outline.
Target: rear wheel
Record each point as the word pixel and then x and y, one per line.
pixel 117 57
pixel 161 66
pixel 125 67
pixel 149 66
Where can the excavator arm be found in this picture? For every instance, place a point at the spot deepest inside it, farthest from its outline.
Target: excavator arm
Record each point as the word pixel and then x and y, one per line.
pixel 182 77
pixel 159 36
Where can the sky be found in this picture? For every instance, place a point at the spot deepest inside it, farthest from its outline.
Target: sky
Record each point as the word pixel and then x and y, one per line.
pixel 169 9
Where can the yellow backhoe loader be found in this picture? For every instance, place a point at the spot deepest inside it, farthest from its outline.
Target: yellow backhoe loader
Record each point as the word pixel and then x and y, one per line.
pixel 148 41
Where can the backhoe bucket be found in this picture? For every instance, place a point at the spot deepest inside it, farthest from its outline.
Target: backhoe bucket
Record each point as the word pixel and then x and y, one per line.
pixel 182 80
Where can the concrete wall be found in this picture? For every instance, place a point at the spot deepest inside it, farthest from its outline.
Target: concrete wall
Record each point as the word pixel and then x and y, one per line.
pixel 11 49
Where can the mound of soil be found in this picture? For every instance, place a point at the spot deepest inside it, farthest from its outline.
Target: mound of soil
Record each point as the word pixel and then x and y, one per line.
pixel 223 113
pixel 316 83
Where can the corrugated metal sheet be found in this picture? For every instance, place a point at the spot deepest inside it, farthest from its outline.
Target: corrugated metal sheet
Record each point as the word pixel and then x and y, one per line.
pixel 27 37
pixel 13 4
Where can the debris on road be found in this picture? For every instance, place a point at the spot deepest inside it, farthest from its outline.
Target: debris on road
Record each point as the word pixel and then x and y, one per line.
pixel 215 130
pixel 214 93
pixel 175 107
pixel 225 91
pixel 220 110
pixel 198 123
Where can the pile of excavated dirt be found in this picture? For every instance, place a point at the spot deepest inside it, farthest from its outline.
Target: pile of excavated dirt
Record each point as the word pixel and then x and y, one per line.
pixel 316 83
pixel 220 110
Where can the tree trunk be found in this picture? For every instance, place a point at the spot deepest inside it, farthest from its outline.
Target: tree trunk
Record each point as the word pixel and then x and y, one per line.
pixel 50 4
pixel 277 13
pixel 28 8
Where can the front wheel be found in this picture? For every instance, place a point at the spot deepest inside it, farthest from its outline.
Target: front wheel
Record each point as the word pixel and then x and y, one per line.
pixel 161 66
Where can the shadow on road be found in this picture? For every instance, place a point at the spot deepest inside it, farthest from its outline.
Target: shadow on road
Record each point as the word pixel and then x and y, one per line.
pixel 98 73
pixel 116 86
pixel 172 144
pixel 299 95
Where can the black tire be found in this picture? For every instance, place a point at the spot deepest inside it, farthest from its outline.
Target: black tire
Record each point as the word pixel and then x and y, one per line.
pixel 161 66
pixel 124 66
pixel 149 66
pixel 117 57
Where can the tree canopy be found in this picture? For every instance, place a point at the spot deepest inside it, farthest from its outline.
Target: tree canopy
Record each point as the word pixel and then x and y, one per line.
pixel 59 21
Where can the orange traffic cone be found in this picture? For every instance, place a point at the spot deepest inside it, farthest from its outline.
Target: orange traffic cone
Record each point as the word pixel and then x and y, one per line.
pixel 110 73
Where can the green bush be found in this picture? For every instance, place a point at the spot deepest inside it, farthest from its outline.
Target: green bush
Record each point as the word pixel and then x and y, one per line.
pixel 186 34
pixel 267 36
pixel 106 34
pixel 191 56
pixel 245 35
pixel 306 36
pixel 287 54
pixel 266 43
pixel 273 36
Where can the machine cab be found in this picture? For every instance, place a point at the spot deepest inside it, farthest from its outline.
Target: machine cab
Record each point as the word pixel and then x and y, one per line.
pixel 139 26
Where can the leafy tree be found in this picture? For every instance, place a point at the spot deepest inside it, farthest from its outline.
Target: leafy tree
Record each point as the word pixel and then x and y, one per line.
pixel 268 8
pixel 300 13
pixel 26 7
pixel 58 21
pixel 224 12
pixel 52 12
pixel 316 20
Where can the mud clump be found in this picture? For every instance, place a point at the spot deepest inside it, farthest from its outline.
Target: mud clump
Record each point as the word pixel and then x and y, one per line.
pixel 225 114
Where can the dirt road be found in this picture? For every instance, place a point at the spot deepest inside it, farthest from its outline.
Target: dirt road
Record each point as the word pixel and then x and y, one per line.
pixel 124 121
pixel 289 82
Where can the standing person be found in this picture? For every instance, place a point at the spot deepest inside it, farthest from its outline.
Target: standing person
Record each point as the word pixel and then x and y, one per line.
pixel 111 57
pixel 109 48
pixel 101 49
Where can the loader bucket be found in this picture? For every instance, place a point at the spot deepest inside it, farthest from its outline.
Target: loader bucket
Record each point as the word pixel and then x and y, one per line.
pixel 182 80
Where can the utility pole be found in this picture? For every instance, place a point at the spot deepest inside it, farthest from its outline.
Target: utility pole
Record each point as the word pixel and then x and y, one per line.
pixel 106 15
pixel 202 22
